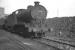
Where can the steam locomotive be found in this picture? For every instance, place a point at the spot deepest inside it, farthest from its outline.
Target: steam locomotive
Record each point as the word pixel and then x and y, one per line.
pixel 17 21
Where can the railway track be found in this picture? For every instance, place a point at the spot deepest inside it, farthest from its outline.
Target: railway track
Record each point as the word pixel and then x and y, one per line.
pixel 21 44
pixel 54 43
pixel 60 42
pixel 47 42
pixel 51 42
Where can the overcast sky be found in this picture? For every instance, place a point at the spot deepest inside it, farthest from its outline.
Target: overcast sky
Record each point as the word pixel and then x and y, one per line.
pixel 55 7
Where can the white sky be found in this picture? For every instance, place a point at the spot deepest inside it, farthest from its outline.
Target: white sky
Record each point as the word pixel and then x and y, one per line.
pixel 55 7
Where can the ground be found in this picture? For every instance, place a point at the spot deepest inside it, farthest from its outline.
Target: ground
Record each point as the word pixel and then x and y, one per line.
pixel 10 41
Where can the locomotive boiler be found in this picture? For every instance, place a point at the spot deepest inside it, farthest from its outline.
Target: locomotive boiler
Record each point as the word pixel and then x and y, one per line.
pixel 17 21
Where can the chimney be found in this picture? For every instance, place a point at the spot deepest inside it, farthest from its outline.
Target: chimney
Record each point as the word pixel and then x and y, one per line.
pixel 36 3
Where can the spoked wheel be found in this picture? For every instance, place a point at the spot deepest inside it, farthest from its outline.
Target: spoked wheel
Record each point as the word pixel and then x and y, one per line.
pixel 39 35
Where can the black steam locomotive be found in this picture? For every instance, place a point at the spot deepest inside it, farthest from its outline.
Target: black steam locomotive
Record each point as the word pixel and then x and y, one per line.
pixel 17 21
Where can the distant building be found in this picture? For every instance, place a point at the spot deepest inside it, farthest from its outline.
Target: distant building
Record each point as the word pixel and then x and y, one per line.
pixel 1 11
pixel 2 14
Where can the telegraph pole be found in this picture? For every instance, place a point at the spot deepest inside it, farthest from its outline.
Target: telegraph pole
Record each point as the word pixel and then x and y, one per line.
pixel 57 12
